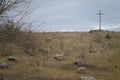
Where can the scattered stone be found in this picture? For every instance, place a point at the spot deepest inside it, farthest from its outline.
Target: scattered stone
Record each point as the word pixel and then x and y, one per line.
pixel 11 58
pixel 91 51
pixel 3 65
pixel 48 39
pixel 81 70
pixel 1 77
pixel 60 36
pixel 76 55
pixel 59 57
pixel 86 78
pixel 80 63
pixel 43 51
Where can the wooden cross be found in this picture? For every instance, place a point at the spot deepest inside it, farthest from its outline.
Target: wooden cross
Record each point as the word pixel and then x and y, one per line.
pixel 100 18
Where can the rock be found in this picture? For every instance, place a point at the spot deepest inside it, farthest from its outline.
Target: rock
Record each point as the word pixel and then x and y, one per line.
pixel 59 57
pixel 86 78
pixel 75 63
pixel 61 37
pixel 3 65
pixel 80 63
pixel 11 58
pixel 81 70
pixel 48 39
pixel 1 77
pixel 43 51
pixel 76 55
pixel 91 51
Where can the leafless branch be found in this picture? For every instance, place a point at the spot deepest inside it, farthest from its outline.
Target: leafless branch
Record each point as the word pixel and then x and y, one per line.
pixel 7 5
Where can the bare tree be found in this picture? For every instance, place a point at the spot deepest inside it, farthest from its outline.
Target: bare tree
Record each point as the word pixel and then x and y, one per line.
pixel 8 27
pixel 16 11
pixel 7 5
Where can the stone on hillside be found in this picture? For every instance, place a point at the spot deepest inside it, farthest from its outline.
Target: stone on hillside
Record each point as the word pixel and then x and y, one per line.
pixel 11 58
pixel 48 39
pixel 60 36
pixel 43 51
pixel 86 78
pixel 80 63
pixel 59 57
pixel 76 55
pixel 3 65
pixel 81 70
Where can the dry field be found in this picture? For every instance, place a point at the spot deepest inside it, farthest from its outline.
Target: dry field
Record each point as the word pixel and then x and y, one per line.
pixel 101 54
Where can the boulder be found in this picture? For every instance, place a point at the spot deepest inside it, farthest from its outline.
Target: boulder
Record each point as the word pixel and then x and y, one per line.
pixel 11 58
pixel 86 78
pixel 42 50
pixel 48 39
pixel 3 65
pixel 59 57
pixel 81 70
pixel 80 63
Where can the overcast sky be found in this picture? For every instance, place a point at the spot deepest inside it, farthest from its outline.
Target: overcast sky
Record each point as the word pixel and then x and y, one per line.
pixel 76 15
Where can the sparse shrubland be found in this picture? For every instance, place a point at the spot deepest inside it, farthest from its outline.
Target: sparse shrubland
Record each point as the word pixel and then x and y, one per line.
pixel 100 52
pixel 34 52
pixel 12 37
pixel 102 56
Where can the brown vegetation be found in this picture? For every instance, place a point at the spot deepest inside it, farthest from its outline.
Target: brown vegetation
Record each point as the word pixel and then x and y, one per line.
pixel 102 61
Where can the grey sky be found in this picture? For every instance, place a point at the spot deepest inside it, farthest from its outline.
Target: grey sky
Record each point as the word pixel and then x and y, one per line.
pixel 76 15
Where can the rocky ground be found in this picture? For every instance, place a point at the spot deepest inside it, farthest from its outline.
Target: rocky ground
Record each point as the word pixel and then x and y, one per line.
pixel 65 56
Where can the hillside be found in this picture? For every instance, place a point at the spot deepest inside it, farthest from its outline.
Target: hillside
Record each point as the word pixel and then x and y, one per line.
pixel 101 51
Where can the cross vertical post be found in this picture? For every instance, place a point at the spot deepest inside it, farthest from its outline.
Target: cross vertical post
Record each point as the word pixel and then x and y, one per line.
pixel 100 14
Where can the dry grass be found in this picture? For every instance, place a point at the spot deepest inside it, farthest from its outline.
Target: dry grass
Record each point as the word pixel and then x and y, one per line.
pixel 103 62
